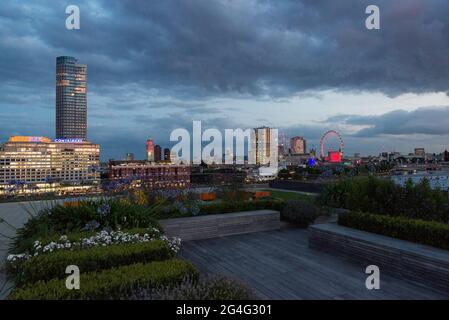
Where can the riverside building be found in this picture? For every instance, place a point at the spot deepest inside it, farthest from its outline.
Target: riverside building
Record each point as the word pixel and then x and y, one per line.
pixel 41 165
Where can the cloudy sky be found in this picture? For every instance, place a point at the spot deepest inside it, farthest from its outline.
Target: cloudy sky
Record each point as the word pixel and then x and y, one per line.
pixel 303 66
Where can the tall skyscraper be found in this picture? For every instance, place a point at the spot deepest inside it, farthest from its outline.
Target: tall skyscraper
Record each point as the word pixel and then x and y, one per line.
pixel 297 145
pixel 150 150
pixel 261 145
pixel 157 153
pixel 71 99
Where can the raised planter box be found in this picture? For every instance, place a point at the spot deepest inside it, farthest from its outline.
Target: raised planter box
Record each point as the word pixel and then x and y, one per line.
pixel 221 225
pixel 418 263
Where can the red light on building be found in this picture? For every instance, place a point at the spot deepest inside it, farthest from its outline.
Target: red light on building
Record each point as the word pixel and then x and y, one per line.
pixel 334 156
pixel 150 150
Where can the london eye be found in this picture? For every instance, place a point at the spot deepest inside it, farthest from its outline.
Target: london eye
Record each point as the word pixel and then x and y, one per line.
pixel 325 137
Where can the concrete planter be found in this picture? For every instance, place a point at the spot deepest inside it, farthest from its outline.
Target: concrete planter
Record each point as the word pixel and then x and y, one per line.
pixel 410 261
pixel 221 225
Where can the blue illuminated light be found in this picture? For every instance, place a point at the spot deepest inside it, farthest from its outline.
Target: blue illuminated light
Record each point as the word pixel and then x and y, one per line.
pixel 69 140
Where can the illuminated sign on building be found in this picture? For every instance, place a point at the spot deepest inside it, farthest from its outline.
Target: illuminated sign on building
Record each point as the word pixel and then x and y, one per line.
pixel 334 156
pixel 69 140
pixel 28 139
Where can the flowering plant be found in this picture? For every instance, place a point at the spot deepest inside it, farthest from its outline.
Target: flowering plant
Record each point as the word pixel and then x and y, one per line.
pixel 102 238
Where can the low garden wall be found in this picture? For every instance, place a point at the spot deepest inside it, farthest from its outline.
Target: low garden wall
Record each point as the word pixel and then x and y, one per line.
pixel 220 225
pixel 419 263
pixel 311 187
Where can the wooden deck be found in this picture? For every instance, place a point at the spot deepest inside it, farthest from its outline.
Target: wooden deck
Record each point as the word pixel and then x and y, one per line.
pixel 280 265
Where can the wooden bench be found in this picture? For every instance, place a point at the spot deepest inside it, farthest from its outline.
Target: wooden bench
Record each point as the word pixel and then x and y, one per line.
pixel 410 261
pixel 221 225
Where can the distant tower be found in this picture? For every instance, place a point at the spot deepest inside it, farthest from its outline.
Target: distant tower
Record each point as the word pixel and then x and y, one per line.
pixel 298 145
pixel 261 145
pixel 71 99
pixel 167 155
pixel 130 156
pixel 157 153
pixel 150 150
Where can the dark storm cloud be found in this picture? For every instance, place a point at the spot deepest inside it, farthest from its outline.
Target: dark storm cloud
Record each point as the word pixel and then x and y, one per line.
pixel 243 47
pixel 426 121
pixel 190 51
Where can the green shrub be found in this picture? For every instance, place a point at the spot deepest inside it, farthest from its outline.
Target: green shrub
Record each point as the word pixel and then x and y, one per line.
pixel 236 206
pixel 206 288
pixel 299 212
pixel 115 283
pixel 52 265
pixel 430 233
pixel 87 215
pixel 383 196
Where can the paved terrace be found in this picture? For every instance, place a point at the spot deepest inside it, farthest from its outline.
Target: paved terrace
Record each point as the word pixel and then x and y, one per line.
pixel 280 265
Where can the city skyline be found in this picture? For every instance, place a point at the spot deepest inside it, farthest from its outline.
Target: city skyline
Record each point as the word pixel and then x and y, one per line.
pixel 156 75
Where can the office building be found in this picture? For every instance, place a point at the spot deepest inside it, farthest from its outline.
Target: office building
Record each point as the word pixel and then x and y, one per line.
pixel 261 140
pixel 157 153
pixel 298 145
pixel 38 164
pixel 167 153
pixel 71 99
pixel 420 152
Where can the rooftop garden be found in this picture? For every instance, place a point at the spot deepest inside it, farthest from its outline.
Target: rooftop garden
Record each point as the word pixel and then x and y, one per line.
pixel 120 247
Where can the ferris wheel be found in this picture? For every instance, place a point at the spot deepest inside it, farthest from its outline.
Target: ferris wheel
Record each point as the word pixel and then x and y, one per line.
pixel 327 135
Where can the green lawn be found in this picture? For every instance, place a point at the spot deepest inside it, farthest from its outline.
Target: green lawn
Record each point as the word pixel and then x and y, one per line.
pixel 286 195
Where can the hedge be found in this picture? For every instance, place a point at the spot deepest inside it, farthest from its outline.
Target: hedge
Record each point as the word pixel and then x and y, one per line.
pixel 52 265
pixel 430 233
pixel 236 206
pixel 116 283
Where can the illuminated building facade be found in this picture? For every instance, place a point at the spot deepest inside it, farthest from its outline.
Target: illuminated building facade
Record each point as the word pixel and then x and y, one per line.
pixel 71 99
pixel 150 150
pixel 150 174
pixel 261 145
pixel 38 164
pixel 298 145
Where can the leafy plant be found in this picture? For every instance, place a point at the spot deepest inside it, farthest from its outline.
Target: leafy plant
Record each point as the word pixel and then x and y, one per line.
pixel 87 215
pixel 300 212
